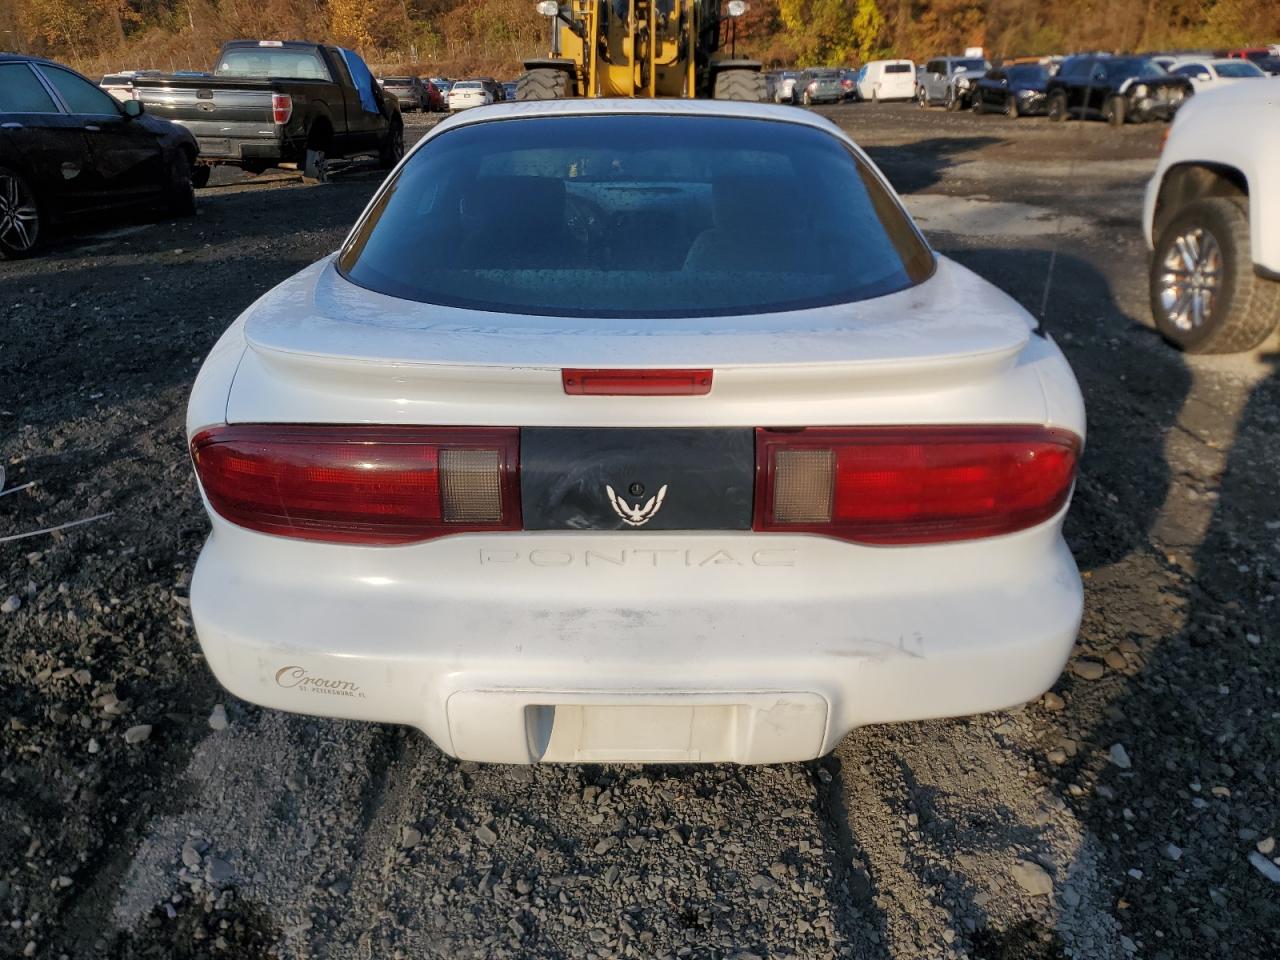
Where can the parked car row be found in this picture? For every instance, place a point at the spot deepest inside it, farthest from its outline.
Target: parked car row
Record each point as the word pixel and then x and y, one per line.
pixel 479 92
pixel 432 94
pixel 1117 88
pixel 879 80
pixel 415 93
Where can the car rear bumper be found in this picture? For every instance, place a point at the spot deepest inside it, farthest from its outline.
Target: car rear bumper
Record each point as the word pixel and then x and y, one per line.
pixel 636 647
pixel 224 149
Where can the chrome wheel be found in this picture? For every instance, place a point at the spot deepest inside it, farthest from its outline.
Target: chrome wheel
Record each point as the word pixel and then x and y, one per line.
pixel 19 216
pixel 1190 279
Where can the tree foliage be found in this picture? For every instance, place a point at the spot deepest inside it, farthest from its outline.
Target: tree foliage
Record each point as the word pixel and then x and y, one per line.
pixel 492 36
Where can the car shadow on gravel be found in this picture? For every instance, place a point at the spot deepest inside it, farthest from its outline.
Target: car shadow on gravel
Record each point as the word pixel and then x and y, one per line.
pixel 912 167
pixel 81 329
pixel 1187 728
pixel 946 817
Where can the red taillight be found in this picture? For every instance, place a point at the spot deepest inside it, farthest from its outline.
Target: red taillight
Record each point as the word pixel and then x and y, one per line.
pixel 637 383
pixel 281 107
pixel 887 485
pixel 359 483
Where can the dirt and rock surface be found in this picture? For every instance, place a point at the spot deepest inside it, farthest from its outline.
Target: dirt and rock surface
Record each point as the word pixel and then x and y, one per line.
pixel 1131 812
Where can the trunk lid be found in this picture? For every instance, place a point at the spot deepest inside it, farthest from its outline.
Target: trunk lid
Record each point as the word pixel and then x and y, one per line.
pixel 321 348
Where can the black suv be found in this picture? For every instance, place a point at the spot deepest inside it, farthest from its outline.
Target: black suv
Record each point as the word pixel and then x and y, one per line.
pixel 1117 89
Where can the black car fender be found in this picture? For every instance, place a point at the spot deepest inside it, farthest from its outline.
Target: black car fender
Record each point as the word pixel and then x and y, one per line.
pixel 172 137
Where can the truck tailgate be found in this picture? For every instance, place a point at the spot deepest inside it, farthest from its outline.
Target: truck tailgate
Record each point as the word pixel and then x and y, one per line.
pixel 216 114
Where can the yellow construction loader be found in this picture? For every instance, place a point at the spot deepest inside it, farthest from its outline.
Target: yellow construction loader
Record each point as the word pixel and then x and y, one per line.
pixel 642 48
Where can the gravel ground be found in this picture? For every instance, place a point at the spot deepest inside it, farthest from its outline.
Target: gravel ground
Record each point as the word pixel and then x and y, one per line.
pixel 1129 813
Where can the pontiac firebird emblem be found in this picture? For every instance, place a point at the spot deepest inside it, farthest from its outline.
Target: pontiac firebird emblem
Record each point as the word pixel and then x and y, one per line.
pixel 636 516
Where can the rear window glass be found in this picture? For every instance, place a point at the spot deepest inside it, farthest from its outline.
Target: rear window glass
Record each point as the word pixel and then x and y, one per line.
pixel 635 216
pixel 1238 68
pixel 272 62
pixel 971 66
pixel 468 85
pixel 898 68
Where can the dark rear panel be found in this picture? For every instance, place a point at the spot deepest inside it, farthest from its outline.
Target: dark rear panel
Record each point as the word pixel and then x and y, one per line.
pixel 566 474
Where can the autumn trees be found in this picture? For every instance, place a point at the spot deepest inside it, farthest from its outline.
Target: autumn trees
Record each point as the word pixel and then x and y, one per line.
pixel 492 36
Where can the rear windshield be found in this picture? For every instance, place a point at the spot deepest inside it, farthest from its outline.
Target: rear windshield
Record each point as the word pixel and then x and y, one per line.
pixel 272 62
pixel 468 85
pixel 971 66
pixel 1238 68
pixel 399 81
pixel 635 216
pixel 898 68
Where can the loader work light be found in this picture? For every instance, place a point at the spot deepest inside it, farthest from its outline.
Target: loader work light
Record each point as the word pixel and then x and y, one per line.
pixel 549 8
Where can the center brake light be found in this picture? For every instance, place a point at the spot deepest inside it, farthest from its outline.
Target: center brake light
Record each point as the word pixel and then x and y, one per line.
pixel 636 383
pixel 360 483
pixel 281 107
pixel 914 484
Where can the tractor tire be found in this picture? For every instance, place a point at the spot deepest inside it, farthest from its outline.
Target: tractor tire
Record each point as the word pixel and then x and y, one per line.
pixel 544 83
pixel 746 85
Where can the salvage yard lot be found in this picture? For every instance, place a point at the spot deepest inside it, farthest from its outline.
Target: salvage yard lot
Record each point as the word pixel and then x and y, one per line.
pixel 1114 818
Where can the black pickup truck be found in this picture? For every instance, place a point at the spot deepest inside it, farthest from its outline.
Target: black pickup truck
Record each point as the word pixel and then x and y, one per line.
pixel 273 102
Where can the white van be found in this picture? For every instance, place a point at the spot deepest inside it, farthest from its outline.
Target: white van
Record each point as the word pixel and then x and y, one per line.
pixel 887 80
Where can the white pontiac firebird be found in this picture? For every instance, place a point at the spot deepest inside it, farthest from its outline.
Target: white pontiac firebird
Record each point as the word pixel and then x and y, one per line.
pixel 557 459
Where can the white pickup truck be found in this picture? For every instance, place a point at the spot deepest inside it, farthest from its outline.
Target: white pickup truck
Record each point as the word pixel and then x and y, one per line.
pixel 1212 219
